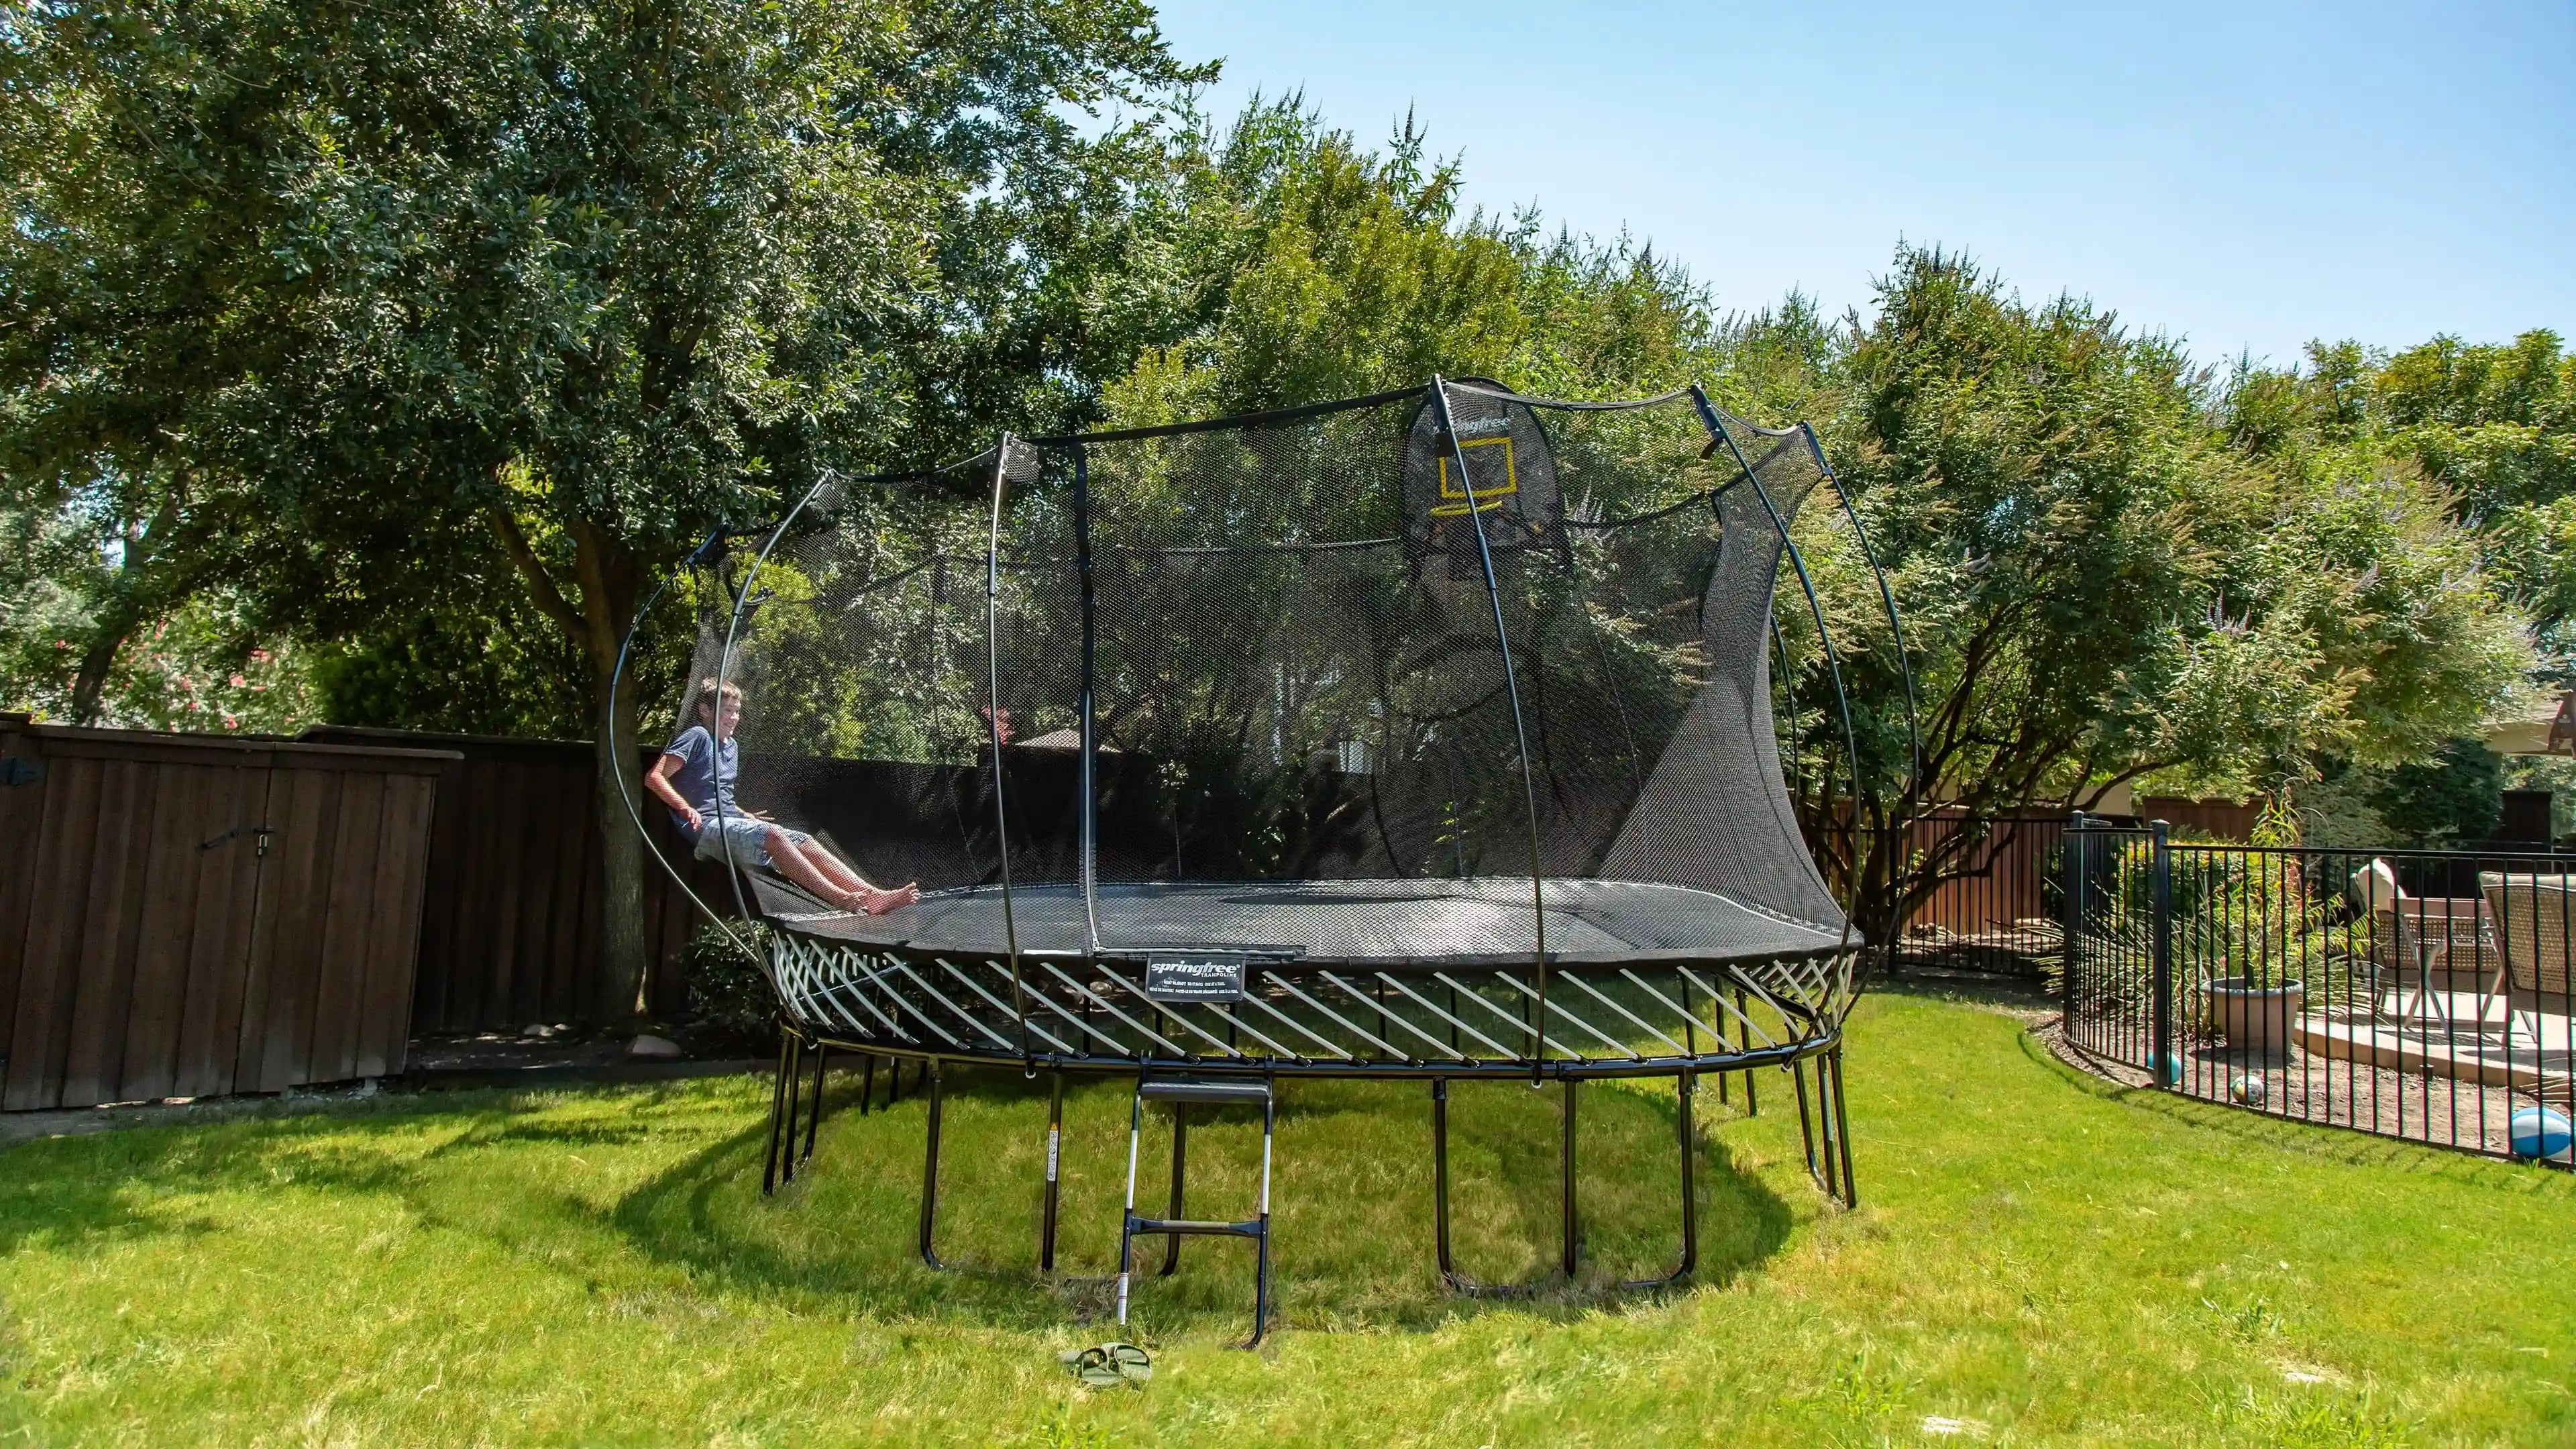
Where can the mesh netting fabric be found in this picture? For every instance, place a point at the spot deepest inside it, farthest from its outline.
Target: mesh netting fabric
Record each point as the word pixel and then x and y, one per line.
pixel 1268 651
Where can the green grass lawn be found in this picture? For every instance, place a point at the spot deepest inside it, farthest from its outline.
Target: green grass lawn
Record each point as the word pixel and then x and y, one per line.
pixel 2042 1255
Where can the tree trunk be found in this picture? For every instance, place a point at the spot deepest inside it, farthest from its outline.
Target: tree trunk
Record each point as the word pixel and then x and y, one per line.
pixel 607 572
pixel 616 780
pixel 595 618
pixel 96 660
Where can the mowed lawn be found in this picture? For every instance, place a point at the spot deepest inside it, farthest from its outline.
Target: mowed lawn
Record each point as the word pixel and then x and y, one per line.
pixel 2039 1258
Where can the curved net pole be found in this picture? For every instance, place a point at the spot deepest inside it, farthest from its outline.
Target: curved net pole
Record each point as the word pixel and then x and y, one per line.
pixel 1833 658
pixel 1904 667
pixel 993 730
pixel 1520 731
pixel 724 666
pixel 1887 600
pixel 1088 844
pixel 705 554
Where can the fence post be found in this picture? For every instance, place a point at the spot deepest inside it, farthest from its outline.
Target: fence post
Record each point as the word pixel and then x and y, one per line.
pixel 2070 910
pixel 2160 1056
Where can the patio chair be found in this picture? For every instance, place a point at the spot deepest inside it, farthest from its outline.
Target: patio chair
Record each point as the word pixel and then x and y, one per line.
pixel 2421 945
pixel 2536 922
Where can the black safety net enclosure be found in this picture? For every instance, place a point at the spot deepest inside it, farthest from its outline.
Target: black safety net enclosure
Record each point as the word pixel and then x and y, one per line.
pixel 1425 734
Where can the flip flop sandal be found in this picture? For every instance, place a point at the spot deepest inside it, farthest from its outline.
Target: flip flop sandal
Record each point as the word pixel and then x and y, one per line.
pixel 1109 1364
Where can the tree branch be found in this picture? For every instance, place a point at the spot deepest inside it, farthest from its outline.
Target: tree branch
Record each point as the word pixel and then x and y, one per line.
pixel 550 599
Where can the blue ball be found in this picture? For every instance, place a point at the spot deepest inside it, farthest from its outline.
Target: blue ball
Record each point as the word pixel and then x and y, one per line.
pixel 2542 1132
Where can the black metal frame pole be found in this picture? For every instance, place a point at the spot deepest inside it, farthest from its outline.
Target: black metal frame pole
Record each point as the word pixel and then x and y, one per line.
pixel 1054 1170
pixel 1686 1087
pixel 930 1173
pixel 867 1080
pixel 1089 843
pixel 1520 731
pixel 814 1116
pixel 1744 1031
pixel 1571 1226
pixel 2167 1070
pixel 993 728
pixel 1440 1181
pixel 777 1110
pixel 1887 598
pixel 2070 910
pixel 1806 1129
pixel 1842 1127
pixel 795 1085
pixel 1180 1166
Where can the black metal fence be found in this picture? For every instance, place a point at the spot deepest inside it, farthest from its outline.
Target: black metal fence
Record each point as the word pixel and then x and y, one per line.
pixel 2422 995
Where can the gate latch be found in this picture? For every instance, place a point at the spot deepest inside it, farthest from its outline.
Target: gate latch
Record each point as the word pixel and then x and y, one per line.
pixel 259 838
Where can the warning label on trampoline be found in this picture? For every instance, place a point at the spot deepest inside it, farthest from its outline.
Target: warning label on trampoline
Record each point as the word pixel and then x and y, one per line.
pixel 1199 976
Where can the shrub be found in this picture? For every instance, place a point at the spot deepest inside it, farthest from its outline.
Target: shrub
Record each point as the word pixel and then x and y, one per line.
pixel 729 991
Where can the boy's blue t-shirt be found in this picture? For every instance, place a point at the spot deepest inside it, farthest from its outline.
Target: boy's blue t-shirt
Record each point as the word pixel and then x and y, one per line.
pixel 705 776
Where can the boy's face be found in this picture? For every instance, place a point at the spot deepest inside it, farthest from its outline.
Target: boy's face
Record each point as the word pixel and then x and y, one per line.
pixel 728 714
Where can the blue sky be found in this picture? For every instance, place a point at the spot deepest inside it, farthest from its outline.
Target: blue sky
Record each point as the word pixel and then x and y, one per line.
pixel 2246 176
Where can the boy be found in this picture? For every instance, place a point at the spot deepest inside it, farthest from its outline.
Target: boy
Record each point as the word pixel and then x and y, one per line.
pixel 695 778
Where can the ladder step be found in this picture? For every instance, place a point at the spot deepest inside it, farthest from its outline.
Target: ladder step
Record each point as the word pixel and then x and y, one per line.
pixel 1250 1228
pixel 1202 1089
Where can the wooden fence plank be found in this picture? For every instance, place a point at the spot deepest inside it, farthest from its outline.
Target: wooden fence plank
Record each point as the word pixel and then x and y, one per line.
pixel 22 812
pixel 93 1049
pixel 392 953
pixel 60 902
pixel 150 1050
pixel 219 950
pixel 340 962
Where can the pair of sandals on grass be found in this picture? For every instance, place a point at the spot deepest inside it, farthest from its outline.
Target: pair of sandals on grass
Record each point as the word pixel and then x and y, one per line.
pixel 1110 1364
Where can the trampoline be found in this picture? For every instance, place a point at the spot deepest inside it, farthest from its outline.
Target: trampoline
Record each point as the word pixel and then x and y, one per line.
pixel 1425 735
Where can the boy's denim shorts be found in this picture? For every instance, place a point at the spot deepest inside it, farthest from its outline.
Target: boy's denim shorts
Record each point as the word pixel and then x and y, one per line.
pixel 742 840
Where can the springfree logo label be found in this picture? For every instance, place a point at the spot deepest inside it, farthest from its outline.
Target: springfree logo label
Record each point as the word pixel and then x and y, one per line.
pixel 1197 976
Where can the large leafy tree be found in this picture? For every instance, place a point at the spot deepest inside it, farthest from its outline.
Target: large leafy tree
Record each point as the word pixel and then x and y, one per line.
pixel 563 284
pixel 2101 586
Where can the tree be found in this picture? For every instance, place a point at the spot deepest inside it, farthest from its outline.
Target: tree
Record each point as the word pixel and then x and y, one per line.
pixel 589 278
pixel 2099 587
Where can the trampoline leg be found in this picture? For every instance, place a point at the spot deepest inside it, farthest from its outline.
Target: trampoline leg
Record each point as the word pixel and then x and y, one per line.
pixel 867 1081
pixel 1450 1277
pixel 1827 1129
pixel 814 1118
pixel 1572 1231
pixel 930 1174
pixel 1127 1230
pixel 1440 1182
pixel 1180 1140
pixel 1685 1087
pixel 1807 1124
pixel 1752 1094
pixel 1842 1131
pixel 777 1108
pixel 1055 1149
pixel 795 1088
pixel 1261 1241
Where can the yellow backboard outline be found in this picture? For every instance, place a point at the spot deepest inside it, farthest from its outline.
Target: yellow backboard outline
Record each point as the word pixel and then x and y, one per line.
pixel 1483 498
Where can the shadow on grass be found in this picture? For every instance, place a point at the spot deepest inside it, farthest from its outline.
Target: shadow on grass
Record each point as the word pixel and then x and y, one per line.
pixel 1352 1199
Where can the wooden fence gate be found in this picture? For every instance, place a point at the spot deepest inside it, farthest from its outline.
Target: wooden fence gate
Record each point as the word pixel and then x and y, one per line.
pixel 190 915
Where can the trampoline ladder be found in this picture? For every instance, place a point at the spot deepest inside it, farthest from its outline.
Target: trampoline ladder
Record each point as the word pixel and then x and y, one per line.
pixel 1181 1092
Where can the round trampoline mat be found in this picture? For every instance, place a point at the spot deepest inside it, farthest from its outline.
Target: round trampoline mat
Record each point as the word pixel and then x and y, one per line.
pixel 1376 923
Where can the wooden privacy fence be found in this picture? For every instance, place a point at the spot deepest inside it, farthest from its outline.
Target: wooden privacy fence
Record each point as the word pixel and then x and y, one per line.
pixel 510 920
pixel 2007 900
pixel 191 915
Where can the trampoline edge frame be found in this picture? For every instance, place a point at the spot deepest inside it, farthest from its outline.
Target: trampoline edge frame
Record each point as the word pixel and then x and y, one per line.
pixel 1824 1129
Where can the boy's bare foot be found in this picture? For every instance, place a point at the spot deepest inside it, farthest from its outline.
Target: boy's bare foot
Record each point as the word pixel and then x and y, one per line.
pixel 877 903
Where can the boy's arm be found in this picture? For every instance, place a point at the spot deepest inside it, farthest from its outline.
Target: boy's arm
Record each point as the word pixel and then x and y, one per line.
pixel 658 781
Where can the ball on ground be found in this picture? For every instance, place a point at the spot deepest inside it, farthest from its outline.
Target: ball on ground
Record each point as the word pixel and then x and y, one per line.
pixel 2542 1132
